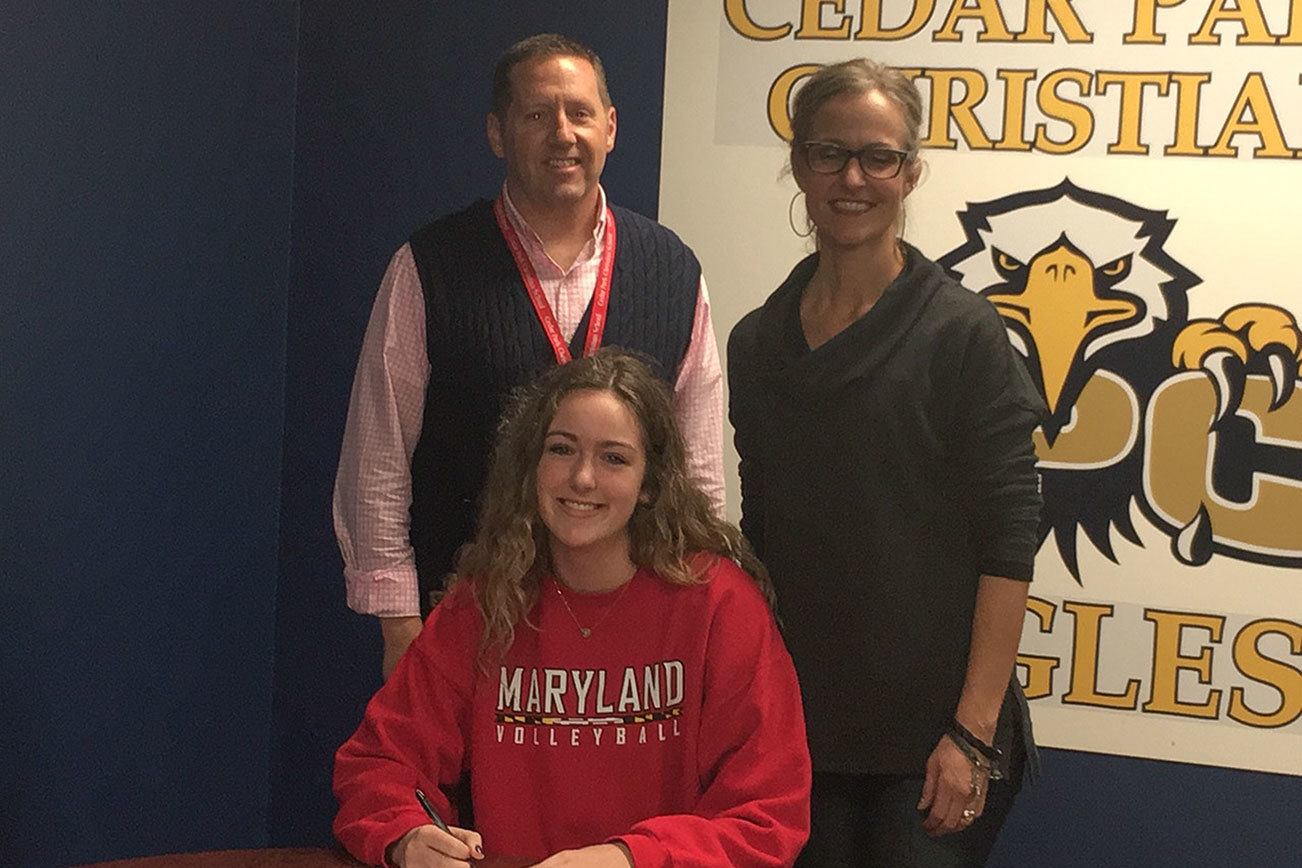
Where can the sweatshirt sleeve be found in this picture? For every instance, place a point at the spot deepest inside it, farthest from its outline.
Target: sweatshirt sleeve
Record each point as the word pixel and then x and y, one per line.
pixel 753 761
pixel 414 734
pixel 997 408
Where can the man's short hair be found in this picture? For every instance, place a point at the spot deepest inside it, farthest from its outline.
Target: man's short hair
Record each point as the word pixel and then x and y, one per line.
pixel 540 47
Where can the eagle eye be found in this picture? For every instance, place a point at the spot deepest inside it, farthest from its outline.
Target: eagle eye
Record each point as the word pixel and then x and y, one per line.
pixel 1117 267
pixel 1005 263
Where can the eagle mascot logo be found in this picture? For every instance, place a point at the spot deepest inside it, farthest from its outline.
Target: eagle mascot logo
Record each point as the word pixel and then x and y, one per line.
pixel 1197 422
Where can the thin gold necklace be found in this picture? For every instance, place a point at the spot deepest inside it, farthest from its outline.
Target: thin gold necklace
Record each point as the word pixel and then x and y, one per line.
pixel 586 632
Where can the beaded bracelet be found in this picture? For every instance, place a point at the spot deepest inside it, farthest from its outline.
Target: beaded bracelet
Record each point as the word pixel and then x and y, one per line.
pixel 977 751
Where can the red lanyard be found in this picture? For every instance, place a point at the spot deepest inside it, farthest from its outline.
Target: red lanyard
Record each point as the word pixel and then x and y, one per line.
pixel 600 295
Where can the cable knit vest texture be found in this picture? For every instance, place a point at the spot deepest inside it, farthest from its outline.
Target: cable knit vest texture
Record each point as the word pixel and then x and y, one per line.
pixel 484 340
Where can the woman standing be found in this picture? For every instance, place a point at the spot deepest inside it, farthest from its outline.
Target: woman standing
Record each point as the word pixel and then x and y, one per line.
pixel 888 483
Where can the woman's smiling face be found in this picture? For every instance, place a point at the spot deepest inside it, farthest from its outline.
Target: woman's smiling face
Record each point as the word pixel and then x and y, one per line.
pixel 849 208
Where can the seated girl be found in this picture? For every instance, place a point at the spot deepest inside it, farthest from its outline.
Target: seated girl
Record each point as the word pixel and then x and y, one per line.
pixel 611 678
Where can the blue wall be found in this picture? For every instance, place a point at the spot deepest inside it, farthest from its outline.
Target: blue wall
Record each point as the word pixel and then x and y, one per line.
pixel 1091 810
pixel 145 168
pixel 175 384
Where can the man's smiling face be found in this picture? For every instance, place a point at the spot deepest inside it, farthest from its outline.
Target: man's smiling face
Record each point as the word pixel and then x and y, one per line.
pixel 554 135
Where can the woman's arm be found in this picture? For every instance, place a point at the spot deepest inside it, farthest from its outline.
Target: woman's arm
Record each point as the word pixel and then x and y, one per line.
pixel 997 408
pixel 744 419
pixel 996 630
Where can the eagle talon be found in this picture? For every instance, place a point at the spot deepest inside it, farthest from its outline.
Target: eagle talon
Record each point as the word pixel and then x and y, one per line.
pixel 1248 334
pixel 1283 374
pixel 1227 372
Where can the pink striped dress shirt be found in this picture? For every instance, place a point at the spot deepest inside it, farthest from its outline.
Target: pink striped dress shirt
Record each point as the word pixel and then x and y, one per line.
pixel 373 484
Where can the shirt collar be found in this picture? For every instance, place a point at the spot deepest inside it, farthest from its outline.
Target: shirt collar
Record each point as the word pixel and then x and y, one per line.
pixel 524 230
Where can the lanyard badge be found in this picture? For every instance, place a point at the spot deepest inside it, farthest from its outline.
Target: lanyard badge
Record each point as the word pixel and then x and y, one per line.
pixel 543 310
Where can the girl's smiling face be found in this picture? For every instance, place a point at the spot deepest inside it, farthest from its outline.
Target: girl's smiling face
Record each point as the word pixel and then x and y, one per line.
pixel 590 474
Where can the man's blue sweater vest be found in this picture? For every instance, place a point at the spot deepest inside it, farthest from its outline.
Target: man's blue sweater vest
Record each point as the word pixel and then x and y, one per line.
pixel 484 340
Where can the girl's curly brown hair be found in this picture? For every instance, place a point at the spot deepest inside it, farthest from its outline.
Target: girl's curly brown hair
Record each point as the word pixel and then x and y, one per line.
pixel 673 523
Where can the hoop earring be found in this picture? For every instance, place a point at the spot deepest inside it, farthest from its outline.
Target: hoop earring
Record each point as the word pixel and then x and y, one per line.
pixel 791 217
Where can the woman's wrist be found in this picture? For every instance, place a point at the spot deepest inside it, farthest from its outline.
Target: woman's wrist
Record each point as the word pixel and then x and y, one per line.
pixel 980 718
pixel 985 757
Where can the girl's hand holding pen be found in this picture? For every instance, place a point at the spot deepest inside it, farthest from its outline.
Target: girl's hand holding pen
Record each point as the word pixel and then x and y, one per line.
pixel 430 847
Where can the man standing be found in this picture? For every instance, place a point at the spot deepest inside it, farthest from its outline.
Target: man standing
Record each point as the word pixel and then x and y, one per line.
pixel 478 302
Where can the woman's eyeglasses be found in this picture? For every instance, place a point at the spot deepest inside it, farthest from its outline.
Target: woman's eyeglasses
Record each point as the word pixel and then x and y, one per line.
pixel 877 162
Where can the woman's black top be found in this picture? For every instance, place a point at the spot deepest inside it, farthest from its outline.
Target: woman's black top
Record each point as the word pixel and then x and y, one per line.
pixel 882 474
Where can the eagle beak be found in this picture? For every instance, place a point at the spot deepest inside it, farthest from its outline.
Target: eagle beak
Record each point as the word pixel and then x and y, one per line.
pixel 1060 309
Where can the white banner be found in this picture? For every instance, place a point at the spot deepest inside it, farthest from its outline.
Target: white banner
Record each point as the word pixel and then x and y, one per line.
pixel 1160 143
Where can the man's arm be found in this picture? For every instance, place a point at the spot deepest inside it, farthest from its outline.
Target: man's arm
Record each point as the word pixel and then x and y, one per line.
pixel 398 633
pixel 373 484
pixel 698 404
